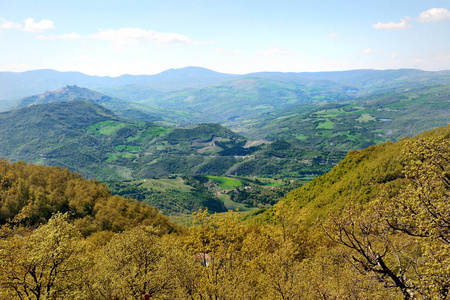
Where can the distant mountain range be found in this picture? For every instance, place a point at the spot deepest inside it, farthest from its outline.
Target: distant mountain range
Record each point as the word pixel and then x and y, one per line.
pixel 137 87
pixel 17 85
pixel 317 111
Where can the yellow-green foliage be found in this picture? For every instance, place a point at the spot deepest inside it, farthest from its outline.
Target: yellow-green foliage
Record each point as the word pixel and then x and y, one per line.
pixel 218 258
pixel 45 191
pixel 402 237
pixel 357 178
pixel 47 263
pixel 384 211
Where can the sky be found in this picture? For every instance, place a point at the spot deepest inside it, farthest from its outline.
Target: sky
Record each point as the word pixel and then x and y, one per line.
pixel 112 38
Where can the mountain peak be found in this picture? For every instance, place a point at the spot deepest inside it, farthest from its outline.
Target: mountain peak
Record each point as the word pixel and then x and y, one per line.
pixel 66 93
pixel 188 73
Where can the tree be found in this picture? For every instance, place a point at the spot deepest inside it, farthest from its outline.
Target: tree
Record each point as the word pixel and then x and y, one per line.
pixel 403 238
pixel 44 264
pixel 138 262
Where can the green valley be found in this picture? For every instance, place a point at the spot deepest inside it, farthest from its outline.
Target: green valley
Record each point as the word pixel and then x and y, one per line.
pixel 273 126
pixel 315 235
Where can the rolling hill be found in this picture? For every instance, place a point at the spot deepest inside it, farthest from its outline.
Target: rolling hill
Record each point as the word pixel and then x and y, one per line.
pixel 92 140
pixel 249 96
pixel 126 109
pixel 354 124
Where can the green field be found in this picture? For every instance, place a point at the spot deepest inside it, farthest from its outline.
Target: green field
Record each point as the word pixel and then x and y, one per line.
pixel 225 183
pixel 365 118
pixel 155 131
pixel 127 148
pixel 231 205
pixel 111 157
pixel 105 127
pixel 327 124
pixel 301 137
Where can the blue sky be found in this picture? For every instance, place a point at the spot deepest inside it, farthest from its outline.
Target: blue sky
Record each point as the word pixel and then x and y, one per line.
pixel 148 36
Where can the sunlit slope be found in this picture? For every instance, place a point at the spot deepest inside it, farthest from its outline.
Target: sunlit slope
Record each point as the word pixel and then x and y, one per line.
pixel 358 179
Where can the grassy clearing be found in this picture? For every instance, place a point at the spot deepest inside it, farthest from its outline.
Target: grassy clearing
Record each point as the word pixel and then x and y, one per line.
pixel 225 183
pixel 105 128
pixel 301 137
pixel 111 157
pixel 327 124
pixel 134 138
pixel 365 118
pixel 120 147
pixel 99 125
pixel 330 113
pixel 258 181
pixel 231 205
pixel 155 131
pixel 133 149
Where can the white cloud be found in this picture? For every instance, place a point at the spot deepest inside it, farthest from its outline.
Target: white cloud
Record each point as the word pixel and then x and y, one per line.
pixel 60 36
pixel 273 51
pixel 134 36
pixel 392 26
pixel 29 25
pixel 434 15
pixel 4 24
pixel 395 55
pixel 368 50
pixel 431 15
pixel 41 26
pixel 332 35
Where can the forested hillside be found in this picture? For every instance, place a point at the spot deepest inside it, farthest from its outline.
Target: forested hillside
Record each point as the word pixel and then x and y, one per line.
pixel 355 124
pixel 375 227
pixel 90 139
pixel 31 194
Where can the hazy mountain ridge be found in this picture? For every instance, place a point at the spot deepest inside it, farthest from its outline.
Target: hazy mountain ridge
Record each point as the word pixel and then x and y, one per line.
pixel 15 85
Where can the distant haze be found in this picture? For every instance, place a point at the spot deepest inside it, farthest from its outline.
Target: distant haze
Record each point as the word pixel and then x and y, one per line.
pixel 239 37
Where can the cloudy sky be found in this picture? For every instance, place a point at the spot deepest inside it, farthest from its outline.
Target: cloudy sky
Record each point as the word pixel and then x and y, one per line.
pixel 112 37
